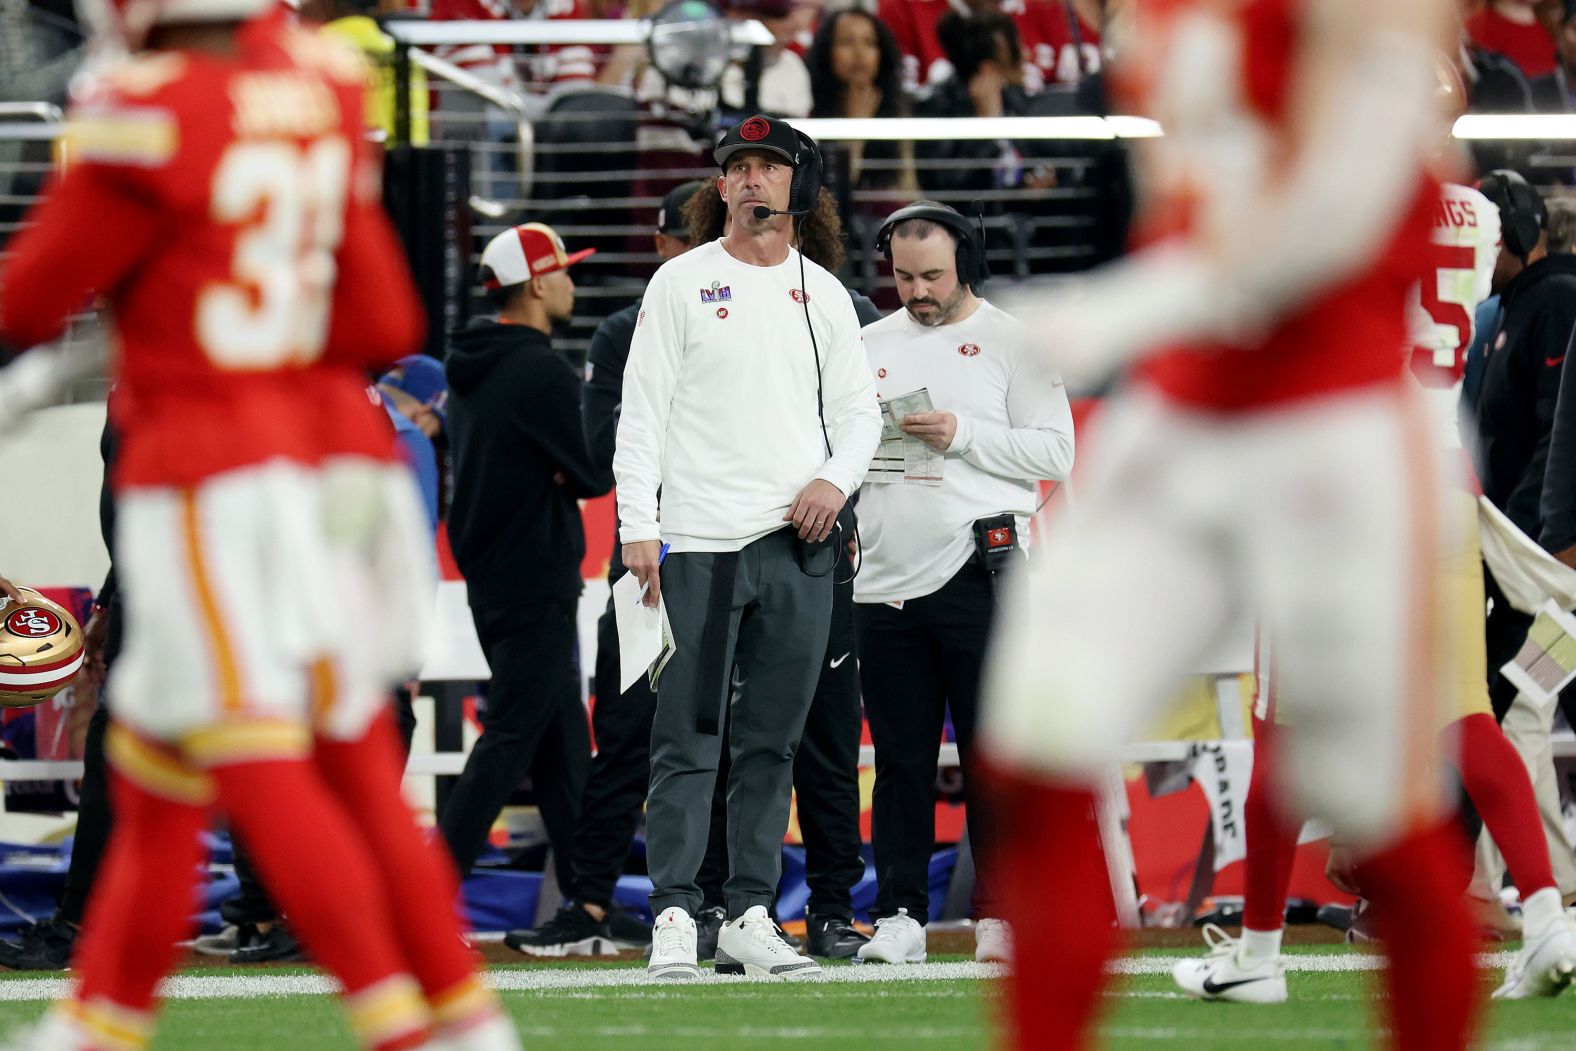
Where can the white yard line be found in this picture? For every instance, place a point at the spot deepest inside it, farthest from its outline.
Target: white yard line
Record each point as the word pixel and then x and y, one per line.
pixel 555 979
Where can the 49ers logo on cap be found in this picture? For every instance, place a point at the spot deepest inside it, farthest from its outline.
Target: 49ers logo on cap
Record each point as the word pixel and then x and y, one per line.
pixel 33 623
pixel 755 129
pixel 969 350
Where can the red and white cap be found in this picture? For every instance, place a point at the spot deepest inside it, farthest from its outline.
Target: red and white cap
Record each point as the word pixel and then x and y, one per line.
pixel 523 252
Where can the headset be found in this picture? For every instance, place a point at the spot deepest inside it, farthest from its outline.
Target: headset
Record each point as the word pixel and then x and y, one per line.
pixel 973 270
pixel 1523 214
pixel 805 189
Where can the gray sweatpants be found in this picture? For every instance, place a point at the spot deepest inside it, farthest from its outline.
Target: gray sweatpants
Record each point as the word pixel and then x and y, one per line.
pixel 769 630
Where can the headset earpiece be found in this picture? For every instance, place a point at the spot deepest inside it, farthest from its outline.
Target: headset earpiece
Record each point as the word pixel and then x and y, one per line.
pixel 1522 212
pixel 805 190
pixel 972 267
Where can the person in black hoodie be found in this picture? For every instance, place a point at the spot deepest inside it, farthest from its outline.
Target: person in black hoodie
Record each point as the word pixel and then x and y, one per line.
pixel 1516 402
pixel 520 466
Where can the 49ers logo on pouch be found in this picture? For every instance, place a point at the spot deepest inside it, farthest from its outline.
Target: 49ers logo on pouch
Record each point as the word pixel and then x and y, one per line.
pixel 969 350
pixel 999 538
pixel 800 295
pixel 754 130
pixel 33 623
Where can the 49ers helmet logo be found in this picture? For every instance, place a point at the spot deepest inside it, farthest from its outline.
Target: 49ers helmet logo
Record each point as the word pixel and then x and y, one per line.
pixel 754 130
pixel 33 623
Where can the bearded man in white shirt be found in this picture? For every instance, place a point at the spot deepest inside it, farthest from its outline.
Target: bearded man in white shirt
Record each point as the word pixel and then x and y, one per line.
pixel 925 596
pixel 749 402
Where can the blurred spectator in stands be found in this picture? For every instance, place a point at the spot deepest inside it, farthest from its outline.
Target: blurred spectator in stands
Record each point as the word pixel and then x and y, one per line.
pixel 352 22
pixel 856 71
pixel 1494 84
pixel 772 79
pixel 1514 28
pixel 984 52
pixel 1556 93
pixel 493 63
pixel 1059 44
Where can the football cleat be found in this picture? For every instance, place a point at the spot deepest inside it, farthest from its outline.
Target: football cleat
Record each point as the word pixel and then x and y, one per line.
pixel 1223 974
pixel 41 650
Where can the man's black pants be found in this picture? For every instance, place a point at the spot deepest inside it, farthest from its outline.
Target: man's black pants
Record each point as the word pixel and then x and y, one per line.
pixel 915 663
pixel 533 724
pixel 93 813
pixel 615 792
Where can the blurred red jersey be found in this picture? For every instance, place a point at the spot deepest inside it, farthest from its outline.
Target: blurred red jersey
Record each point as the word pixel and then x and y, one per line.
pixel 1227 137
pixel 228 209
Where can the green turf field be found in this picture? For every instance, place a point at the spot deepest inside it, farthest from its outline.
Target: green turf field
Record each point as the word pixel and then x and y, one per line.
pixel 567 1008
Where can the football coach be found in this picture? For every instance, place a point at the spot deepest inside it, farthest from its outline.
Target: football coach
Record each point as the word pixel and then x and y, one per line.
pixel 749 403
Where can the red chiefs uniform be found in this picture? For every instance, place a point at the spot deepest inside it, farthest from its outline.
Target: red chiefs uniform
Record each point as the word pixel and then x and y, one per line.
pixel 234 246
pixel 1300 357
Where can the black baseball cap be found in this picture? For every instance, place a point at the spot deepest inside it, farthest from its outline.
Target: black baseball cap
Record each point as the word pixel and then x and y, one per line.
pixel 759 133
pixel 670 217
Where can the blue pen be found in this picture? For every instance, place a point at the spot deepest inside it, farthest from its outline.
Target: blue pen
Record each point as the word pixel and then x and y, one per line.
pixel 662 556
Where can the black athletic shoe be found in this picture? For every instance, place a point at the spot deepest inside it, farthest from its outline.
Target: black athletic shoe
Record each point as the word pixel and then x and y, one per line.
pixel 629 932
pixel 833 937
pixel 277 946
pixel 42 946
pixel 707 923
pixel 571 932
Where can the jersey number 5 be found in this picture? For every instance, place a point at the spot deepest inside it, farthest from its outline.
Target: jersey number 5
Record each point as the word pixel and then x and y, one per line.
pixel 1446 260
pixel 274 311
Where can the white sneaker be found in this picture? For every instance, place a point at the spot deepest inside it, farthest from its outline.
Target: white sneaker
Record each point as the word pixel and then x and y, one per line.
pixel 898 939
pixel 992 941
pixel 673 948
pixel 752 945
pixel 1545 965
pixel 1222 974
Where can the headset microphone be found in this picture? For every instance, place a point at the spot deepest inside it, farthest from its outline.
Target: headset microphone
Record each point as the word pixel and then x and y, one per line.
pixel 763 213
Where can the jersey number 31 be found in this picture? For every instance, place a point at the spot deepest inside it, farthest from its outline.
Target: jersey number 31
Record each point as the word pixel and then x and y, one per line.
pixel 291 203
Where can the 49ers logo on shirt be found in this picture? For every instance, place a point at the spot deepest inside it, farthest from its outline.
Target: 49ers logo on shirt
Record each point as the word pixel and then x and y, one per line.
pixel 969 350
pixel 33 623
pixel 799 295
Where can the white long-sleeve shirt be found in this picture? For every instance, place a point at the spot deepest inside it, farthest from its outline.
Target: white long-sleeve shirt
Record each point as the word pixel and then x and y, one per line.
pixel 719 403
pixel 1014 428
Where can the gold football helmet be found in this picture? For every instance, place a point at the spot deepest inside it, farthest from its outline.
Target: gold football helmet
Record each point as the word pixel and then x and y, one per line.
pixel 40 650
